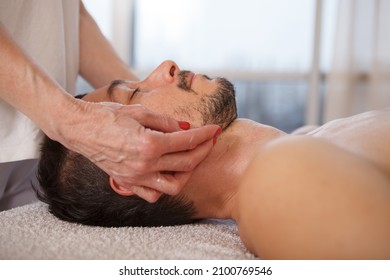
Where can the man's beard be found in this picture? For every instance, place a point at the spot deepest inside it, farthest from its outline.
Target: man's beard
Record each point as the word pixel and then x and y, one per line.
pixel 216 108
pixel 220 107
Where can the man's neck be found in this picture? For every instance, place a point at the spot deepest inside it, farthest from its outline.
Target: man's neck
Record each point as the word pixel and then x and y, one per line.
pixel 214 183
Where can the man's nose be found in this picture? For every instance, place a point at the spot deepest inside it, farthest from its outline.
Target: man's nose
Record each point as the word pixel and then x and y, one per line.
pixel 166 73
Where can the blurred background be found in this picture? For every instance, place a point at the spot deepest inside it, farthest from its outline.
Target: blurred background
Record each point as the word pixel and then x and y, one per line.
pixel 293 62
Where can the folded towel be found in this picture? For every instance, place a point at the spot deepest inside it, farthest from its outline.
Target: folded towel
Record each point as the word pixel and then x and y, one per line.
pixel 31 232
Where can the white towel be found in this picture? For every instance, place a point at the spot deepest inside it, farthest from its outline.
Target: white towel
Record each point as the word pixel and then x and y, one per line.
pixel 31 232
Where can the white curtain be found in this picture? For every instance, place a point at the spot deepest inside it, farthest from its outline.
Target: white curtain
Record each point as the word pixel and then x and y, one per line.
pixel 359 78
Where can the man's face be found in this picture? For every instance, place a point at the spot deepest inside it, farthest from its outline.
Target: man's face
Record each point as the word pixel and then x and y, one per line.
pixel 182 95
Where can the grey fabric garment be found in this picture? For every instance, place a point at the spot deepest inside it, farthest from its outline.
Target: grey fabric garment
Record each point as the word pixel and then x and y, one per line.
pixel 15 183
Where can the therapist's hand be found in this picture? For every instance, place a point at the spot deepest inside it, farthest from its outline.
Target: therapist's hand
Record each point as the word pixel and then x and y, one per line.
pixel 144 152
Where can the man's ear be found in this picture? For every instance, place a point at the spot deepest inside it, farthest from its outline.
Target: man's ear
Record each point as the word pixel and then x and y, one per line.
pixel 119 189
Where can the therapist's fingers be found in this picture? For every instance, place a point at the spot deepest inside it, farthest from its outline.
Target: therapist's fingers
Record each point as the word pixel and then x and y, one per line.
pixel 159 122
pixel 180 140
pixel 166 178
pixel 148 194
pixel 180 179
pixel 185 161
pixel 170 183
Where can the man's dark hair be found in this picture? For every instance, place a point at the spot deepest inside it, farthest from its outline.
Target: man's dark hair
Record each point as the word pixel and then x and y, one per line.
pixel 76 190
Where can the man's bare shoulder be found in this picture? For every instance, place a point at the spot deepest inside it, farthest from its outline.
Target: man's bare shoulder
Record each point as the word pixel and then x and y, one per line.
pixel 304 159
pixel 366 135
pixel 320 181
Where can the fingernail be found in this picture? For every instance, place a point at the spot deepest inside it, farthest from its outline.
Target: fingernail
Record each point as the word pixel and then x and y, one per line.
pixel 217 133
pixel 184 125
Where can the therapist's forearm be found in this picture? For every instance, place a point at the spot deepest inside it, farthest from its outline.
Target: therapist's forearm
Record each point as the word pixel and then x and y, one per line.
pixel 27 87
pixel 99 63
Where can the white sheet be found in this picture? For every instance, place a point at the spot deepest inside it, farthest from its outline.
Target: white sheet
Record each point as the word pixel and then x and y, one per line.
pixel 31 232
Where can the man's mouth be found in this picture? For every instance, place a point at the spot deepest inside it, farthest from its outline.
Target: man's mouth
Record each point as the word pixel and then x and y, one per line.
pixel 191 79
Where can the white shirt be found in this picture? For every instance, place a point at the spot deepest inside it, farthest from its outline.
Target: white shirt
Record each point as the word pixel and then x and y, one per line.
pixel 48 31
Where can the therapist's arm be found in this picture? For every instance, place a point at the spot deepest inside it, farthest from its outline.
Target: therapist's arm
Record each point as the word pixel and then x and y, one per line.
pixel 28 88
pixel 99 63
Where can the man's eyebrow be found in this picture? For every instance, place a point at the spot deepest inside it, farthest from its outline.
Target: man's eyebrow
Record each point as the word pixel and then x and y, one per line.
pixel 112 86
pixel 207 77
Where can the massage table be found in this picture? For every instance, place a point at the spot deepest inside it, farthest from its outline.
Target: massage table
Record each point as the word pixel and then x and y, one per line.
pixel 31 232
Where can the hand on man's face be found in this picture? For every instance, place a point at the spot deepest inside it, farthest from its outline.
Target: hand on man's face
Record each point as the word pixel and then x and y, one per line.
pixel 140 146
